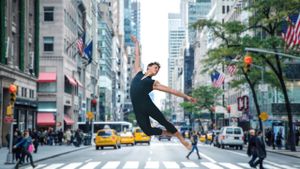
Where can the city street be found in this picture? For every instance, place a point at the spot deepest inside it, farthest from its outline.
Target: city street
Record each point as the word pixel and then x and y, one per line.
pixel 162 154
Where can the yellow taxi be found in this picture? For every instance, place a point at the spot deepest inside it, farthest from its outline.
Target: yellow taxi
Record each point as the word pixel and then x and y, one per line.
pixel 202 138
pixel 107 138
pixel 127 138
pixel 140 136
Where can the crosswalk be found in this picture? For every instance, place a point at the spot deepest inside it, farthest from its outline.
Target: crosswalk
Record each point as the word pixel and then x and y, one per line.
pixel 153 165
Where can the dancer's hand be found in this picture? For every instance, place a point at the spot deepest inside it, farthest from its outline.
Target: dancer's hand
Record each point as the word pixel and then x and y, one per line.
pixel 133 39
pixel 191 99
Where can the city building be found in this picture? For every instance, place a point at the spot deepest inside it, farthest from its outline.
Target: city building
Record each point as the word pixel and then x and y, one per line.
pixel 19 48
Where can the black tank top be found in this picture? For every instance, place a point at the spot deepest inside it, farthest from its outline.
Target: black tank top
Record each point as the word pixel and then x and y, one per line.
pixel 140 89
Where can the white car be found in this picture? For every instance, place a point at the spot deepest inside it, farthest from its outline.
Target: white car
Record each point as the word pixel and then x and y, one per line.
pixel 231 136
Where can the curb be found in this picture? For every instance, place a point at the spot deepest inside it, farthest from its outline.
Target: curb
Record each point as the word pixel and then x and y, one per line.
pixel 290 155
pixel 56 155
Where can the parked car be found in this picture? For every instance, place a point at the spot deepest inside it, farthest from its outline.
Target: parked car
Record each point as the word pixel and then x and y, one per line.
pixel 231 136
pixel 140 136
pixel 106 138
pixel 127 138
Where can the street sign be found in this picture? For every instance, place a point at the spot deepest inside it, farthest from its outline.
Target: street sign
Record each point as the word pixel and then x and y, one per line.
pixel 263 87
pixel 264 116
pixel 8 119
pixel 90 115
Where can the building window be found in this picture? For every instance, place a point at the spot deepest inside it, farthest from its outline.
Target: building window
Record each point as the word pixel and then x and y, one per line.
pixel 223 9
pixel 48 13
pixel 48 44
pixel 227 9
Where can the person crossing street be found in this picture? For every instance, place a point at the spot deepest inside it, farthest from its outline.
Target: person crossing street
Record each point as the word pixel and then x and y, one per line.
pixel 194 140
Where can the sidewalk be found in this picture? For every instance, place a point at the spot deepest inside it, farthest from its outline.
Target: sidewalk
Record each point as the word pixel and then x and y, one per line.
pixel 44 152
pixel 283 151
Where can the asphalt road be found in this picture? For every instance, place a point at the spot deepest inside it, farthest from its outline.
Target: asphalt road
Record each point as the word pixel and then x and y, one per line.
pixel 162 154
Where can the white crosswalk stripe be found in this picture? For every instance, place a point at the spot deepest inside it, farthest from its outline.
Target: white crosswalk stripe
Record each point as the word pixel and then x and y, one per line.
pixel 170 164
pixel 72 166
pixel 189 164
pixel 111 164
pixel 54 166
pixel 131 164
pixel 245 165
pixel 211 165
pixel 152 164
pixel 90 165
pixel 231 166
pixel 155 165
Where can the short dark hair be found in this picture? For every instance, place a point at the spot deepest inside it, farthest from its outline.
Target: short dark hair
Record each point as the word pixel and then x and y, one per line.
pixel 154 63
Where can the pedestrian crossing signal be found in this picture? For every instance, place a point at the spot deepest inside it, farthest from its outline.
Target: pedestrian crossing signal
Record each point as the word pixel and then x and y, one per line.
pixel 247 67
pixel 9 110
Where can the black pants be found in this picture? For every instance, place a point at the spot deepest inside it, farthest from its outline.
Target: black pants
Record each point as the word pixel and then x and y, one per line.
pixel 260 162
pixel 194 148
pixel 251 162
pixel 150 110
pixel 24 154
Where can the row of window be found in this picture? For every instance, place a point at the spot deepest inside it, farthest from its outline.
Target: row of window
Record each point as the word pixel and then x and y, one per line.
pixel 24 92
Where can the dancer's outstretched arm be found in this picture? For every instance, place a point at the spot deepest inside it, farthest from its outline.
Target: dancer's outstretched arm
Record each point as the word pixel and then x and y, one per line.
pixel 160 87
pixel 137 61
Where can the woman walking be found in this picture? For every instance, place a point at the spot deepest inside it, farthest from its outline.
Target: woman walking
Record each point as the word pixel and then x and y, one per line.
pixel 24 144
pixel 194 140
pixel 141 85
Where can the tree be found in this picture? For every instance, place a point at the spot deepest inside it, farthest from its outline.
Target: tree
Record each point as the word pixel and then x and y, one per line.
pixel 267 18
pixel 207 99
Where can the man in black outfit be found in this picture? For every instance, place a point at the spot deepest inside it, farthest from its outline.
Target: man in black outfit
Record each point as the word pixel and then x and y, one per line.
pixel 141 85
pixel 252 148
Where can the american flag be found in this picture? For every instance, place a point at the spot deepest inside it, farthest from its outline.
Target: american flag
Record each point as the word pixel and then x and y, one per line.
pixel 79 45
pixel 291 31
pixel 231 69
pixel 217 79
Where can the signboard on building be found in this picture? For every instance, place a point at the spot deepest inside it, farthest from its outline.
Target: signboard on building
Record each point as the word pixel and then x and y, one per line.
pixel 279 108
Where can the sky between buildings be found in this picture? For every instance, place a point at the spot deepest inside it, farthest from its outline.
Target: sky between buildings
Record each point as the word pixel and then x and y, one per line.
pixel 154 37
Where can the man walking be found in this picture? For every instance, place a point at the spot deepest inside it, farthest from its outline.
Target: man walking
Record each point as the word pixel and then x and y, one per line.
pixel 252 148
pixel 194 140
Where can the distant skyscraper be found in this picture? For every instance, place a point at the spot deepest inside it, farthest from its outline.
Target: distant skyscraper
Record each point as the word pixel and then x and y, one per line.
pixel 136 18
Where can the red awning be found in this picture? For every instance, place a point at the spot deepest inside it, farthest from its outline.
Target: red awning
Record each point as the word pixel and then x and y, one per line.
pixel 46 77
pixel 45 119
pixel 68 120
pixel 79 84
pixel 71 80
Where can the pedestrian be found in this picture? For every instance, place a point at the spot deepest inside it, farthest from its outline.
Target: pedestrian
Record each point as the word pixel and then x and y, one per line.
pixel 25 142
pixel 252 147
pixel 141 85
pixel 279 139
pixel 260 150
pixel 194 140
pixel 36 137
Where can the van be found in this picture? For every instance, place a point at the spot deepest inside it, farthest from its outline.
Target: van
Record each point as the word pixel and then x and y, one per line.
pixel 231 136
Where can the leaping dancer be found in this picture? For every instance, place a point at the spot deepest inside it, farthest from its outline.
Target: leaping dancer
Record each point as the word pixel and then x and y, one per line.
pixel 143 107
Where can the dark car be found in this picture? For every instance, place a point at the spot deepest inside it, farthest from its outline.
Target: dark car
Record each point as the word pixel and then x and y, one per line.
pixel 162 137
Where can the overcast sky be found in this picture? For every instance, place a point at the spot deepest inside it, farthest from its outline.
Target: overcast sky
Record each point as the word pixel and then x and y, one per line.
pixel 154 36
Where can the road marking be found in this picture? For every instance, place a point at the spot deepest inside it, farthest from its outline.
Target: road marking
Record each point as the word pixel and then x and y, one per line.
pixel 170 164
pixel 152 164
pixel 246 165
pixel 270 166
pixel 279 165
pixel 208 158
pixel 90 165
pixel 211 165
pixel 131 164
pixel 244 155
pixel 88 160
pixel 189 164
pixel 54 166
pixel 38 166
pixel 111 164
pixel 71 166
pixel 150 152
pixel 231 166
pixel 103 153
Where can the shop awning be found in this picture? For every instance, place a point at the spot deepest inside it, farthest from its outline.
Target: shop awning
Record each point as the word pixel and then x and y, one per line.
pixel 68 120
pixel 45 119
pixel 71 80
pixel 46 77
pixel 79 84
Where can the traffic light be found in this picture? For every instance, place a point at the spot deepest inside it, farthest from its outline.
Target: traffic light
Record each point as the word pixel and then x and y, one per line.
pixel 13 93
pixel 247 63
